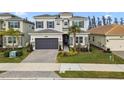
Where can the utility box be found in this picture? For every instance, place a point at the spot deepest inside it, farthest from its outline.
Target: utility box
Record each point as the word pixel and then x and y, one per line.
pixel 12 54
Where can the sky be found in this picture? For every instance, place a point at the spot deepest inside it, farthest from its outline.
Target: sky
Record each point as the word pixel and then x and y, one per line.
pixel 30 15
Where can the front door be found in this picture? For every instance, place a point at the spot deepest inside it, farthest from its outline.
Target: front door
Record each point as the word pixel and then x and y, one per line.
pixel 1 41
pixel 65 39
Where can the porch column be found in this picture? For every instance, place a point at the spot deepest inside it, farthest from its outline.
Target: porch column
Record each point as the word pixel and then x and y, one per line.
pixel 4 41
pixel 20 41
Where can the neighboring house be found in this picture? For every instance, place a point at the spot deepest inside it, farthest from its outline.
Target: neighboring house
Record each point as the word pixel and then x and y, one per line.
pixel 108 37
pixel 51 31
pixel 8 21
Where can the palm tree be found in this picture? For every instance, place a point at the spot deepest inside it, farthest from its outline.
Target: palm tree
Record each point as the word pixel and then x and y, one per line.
pixel 13 33
pixel 74 29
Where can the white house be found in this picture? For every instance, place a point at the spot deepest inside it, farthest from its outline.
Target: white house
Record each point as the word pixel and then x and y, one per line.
pixel 7 21
pixel 108 37
pixel 51 31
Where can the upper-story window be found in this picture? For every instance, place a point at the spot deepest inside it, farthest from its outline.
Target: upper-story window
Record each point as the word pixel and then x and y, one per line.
pixel 81 24
pixel 39 24
pixel 65 23
pixel 50 24
pixel 58 23
pixel 78 23
pixel 14 24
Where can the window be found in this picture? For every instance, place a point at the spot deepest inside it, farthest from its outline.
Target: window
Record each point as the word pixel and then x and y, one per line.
pixel 93 38
pixel 11 39
pixel 78 23
pixel 39 24
pixel 75 23
pixel 71 40
pixel 14 24
pixel 76 39
pixel 65 23
pixel 81 39
pixel 50 24
pixel 58 23
pixel 14 39
pixel 81 24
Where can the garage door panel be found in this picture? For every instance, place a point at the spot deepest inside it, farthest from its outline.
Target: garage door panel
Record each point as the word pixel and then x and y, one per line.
pixel 116 45
pixel 46 43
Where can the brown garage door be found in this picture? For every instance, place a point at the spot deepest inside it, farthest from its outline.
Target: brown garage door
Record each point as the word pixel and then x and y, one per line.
pixel 46 43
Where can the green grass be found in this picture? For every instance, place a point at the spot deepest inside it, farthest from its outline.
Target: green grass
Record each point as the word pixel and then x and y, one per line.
pixel 91 74
pixel 13 60
pixel 96 56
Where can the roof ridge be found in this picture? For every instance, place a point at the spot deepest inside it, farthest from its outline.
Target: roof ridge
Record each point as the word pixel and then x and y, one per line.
pixel 111 29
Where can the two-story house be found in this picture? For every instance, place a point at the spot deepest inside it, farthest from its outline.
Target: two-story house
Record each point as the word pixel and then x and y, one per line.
pixel 51 31
pixel 8 21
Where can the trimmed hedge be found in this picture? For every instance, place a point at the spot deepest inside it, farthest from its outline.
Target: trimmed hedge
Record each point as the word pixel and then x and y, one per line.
pixel 19 53
pixel 65 54
pixel 6 53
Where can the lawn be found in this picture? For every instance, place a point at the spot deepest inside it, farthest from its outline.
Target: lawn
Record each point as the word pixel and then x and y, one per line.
pixel 91 74
pixel 96 56
pixel 13 60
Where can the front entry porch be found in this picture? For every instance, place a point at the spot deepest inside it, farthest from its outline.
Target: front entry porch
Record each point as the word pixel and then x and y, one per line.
pixel 65 42
pixel 1 41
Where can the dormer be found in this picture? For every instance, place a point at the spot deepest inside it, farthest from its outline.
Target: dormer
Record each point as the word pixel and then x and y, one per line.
pixel 66 15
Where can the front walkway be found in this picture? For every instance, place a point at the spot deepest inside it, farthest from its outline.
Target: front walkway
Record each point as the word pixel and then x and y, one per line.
pixel 28 75
pixel 60 67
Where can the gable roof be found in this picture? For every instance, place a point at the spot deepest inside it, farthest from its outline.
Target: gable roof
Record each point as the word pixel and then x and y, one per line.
pixel 45 15
pixel 47 31
pixel 7 14
pixel 113 29
pixel 16 18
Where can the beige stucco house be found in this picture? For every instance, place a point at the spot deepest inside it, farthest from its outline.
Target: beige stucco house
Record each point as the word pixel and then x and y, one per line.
pixel 108 37
pixel 7 21
pixel 51 31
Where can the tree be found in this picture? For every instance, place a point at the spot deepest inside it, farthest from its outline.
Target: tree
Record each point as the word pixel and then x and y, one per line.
pixel 90 24
pixel 99 21
pixel 109 20
pixel 104 20
pixel 121 21
pixel 115 20
pixel 13 33
pixel 74 29
pixel 93 22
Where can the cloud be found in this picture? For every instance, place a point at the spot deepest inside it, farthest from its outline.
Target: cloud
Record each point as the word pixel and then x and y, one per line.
pixel 106 16
pixel 21 14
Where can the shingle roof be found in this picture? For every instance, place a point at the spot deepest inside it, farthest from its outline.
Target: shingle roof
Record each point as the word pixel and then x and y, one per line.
pixel 16 18
pixel 47 31
pixel 65 13
pixel 113 29
pixel 78 17
pixel 7 14
pixel 46 15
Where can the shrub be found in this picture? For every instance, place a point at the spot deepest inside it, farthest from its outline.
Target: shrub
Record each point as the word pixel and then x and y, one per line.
pixel 19 53
pixel 78 47
pixel 30 48
pixel 66 54
pixel 107 51
pixel 72 49
pixel 6 53
pixel 60 48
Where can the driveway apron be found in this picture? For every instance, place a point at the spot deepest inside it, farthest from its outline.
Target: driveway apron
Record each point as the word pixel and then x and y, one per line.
pixel 41 56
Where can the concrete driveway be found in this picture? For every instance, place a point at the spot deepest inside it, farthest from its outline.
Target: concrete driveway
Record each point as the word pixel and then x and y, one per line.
pixel 42 56
pixel 119 53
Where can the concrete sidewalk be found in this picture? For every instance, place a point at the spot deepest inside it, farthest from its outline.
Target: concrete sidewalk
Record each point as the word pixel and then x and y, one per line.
pixel 60 67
